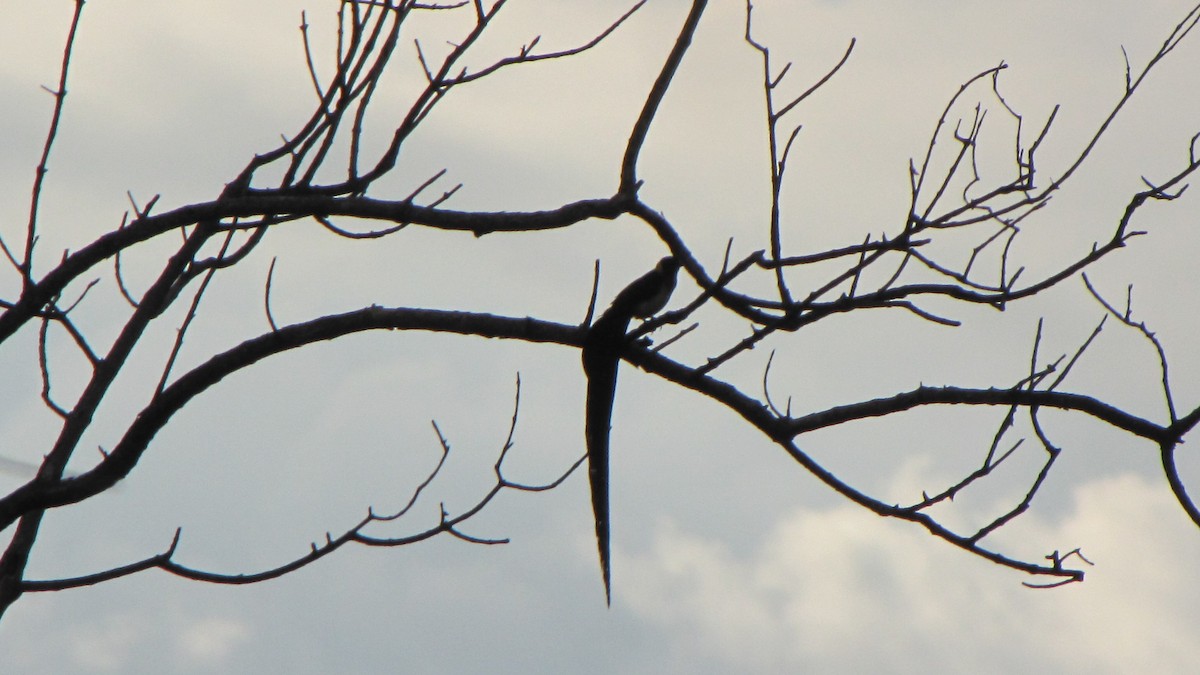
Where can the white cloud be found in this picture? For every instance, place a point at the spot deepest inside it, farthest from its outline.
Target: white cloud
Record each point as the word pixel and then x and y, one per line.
pixel 142 637
pixel 212 639
pixel 841 589
pixel 106 647
pixel 172 98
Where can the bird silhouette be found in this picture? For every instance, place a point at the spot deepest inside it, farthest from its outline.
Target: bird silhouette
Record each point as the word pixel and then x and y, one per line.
pixel 602 346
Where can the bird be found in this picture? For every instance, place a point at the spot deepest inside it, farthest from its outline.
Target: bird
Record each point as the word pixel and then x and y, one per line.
pixel 602 345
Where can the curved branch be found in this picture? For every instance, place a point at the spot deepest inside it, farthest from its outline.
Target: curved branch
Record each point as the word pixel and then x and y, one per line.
pixel 355 534
pixel 526 55
pixel 925 395
pixel 637 137
pixel 263 204
pixel 125 455
pixel 1171 471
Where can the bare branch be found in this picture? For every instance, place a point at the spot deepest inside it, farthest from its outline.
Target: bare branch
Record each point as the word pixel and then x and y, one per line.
pixel 1126 318
pixel 637 137
pixel 35 198
pixel 526 54
pixel 921 269
pixel 44 367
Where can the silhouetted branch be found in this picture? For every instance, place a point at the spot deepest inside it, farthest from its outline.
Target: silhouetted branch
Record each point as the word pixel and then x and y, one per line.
pixel 915 265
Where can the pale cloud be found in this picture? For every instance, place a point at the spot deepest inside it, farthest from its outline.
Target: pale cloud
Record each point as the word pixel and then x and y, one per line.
pixel 122 642
pixel 107 647
pixel 211 640
pixel 842 589
pixel 175 99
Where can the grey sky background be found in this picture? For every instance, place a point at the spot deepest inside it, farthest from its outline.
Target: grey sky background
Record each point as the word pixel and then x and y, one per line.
pixel 728 557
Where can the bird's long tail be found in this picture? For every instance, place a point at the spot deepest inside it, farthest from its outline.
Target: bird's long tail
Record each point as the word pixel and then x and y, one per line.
pixel 601 356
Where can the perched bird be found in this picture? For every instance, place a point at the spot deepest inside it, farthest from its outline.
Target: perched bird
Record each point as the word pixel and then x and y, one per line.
pixel 601 354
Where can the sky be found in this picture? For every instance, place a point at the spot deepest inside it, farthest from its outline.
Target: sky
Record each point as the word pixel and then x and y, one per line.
pixel 728 557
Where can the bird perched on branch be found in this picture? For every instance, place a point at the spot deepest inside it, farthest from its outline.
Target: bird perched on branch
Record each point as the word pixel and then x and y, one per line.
pixel 601 353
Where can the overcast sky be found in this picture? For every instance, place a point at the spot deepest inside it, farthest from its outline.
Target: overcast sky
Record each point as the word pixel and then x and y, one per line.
pixel 728 557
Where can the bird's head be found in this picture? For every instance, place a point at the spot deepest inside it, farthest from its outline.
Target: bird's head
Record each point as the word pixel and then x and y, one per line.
pixel 668 266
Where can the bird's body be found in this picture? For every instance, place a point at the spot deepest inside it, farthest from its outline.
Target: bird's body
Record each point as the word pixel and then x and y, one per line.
pixel 601 356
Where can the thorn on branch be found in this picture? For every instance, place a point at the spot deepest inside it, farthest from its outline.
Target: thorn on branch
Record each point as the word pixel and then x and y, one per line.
pixel 267 295
pixel 475 540
pixel 325 222
pixel 430 181
pixel 767 390
pixel 424 64
pixel 674 338
pixel 779 78
pixel 1159 193
pixel 1128 71
pixel 526 49
pixel 174 543
pixel 441 439
pixel 512 429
